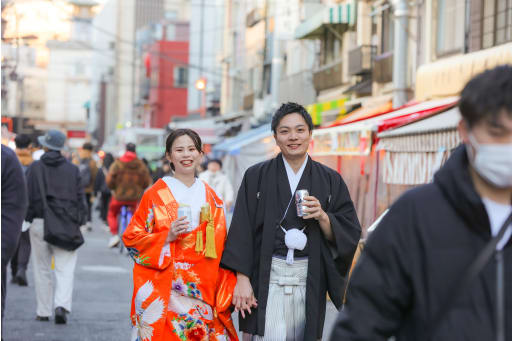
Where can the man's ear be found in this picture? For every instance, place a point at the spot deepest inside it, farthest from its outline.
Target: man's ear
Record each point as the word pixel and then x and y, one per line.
pixel 463 129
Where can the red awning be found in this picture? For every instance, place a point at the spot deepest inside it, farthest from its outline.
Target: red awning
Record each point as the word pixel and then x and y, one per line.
pixel 364 113
pixel 398 121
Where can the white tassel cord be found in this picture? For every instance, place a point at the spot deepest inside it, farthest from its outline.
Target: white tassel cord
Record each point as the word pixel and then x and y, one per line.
pixel 294 239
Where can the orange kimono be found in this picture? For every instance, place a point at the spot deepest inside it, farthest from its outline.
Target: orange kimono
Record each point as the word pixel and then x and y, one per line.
pixel 180 292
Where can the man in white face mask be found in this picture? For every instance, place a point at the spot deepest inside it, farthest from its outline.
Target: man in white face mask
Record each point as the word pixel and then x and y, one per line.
pixel 413 280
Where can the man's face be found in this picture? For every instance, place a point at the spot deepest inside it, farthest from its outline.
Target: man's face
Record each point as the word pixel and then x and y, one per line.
pixel 213 167
pixel 83 153
pixel 293 136
pixel 489 132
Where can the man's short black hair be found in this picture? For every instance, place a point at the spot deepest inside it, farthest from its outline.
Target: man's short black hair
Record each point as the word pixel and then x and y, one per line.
pixel 217 161
pixel 291 108
pixel 22 141
pixel 88 146
pixel 131 147
pixel 487 95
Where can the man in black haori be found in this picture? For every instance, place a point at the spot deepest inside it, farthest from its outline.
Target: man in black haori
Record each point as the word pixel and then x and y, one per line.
pixel 286 264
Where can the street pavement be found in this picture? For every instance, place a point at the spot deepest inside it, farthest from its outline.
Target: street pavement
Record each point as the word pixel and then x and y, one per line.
pixel 101 299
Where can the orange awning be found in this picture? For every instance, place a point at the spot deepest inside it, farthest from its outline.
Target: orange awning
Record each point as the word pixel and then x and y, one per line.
pixel 363 113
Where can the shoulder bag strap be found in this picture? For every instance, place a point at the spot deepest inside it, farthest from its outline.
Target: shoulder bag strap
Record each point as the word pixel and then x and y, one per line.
pixel 472 272
pixel 40 181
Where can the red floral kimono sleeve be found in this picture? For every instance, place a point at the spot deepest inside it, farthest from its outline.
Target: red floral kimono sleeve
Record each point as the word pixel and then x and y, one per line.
pixel 145 237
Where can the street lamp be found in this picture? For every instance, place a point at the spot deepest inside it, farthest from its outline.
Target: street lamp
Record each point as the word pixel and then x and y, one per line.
pixel 201 86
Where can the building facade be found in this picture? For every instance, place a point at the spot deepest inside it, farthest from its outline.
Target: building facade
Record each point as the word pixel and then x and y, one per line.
pixel 167 70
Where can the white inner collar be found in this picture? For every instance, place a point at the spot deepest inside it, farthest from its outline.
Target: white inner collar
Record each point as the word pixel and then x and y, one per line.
pixel 194 196
pixel 294 178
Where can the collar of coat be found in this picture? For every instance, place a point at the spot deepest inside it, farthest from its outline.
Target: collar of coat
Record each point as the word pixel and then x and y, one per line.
pixel 456 184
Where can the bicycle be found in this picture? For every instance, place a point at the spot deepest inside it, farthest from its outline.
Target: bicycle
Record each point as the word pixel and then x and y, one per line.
pixel 123 219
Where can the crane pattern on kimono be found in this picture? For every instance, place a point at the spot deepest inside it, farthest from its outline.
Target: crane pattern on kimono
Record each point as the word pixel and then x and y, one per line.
pixel 144 318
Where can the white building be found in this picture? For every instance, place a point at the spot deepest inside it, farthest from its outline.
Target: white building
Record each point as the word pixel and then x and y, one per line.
pixel 68 92
pixel 24 94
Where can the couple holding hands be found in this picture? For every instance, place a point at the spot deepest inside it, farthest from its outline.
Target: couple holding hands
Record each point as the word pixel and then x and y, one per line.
pixel 273 267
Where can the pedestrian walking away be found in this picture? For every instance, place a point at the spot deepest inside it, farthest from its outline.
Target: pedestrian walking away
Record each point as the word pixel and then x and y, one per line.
pixel 439 264
pixel 101 189
pixel 286 261
pixel 57 209
pixel 127 178
pixel 88 173
pixel 180 292
pixel 19 261
pixel 14 207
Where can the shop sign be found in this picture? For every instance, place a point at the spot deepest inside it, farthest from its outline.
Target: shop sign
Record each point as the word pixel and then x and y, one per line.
pixel 332 142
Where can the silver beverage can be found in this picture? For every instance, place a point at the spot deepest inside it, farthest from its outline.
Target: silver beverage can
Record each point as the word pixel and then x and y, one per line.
pixel 299 201
pixel 185 211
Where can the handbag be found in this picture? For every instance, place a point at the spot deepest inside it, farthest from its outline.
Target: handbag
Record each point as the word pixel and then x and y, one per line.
pixel 61 220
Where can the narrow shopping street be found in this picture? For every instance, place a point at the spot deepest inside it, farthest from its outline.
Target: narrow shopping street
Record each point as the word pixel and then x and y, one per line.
pixel 101 299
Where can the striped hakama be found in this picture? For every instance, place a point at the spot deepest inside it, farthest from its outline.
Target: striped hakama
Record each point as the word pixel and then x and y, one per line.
pixel 286 307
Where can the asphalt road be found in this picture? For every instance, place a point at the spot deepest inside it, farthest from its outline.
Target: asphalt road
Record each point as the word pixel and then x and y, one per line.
pixel 101 299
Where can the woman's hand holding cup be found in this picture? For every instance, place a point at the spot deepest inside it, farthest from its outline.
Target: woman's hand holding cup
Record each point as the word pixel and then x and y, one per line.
pixel 178 227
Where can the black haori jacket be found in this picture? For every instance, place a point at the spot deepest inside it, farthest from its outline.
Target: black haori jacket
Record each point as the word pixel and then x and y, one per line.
pixel 251 239
pixel 412 263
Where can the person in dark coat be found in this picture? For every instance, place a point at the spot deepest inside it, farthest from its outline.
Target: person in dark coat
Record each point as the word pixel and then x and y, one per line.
pixel 413 263
pixel 88 173
pixel 286 263
pixel 19 261
pixel 14 208
pixel 100 186
pixel 62 182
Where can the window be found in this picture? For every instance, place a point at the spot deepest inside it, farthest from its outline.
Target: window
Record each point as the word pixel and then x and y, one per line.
pixel 450 26
pixel 496 22
pixel 180 77
pixel 331 48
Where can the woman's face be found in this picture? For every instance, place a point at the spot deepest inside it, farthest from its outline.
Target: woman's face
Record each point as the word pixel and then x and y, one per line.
pixel 184 155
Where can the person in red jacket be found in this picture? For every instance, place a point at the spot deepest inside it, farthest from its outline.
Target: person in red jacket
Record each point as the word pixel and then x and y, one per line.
pixel 128 177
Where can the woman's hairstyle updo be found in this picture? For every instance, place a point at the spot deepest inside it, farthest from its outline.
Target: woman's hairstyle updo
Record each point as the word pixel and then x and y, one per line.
pixel 178 133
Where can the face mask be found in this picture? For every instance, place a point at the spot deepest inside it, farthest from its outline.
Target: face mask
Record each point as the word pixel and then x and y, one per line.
pixel 493 162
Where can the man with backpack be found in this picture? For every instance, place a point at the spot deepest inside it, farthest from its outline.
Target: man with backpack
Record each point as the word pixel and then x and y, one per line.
pixel 127 177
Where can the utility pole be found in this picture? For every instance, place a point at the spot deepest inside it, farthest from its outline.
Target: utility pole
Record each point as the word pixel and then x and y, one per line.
pixel 400 62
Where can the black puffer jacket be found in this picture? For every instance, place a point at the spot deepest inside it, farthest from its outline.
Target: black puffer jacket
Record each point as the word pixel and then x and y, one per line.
pixel 413 260
pixel 62 183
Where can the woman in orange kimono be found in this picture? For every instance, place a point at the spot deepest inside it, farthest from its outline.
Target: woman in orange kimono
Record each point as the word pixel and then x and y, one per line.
pixel 180 292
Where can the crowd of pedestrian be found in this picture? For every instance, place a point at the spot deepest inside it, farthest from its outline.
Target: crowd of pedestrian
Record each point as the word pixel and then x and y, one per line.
pixel 437 266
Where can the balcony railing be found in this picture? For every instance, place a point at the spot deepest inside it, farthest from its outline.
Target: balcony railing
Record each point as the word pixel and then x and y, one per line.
pixel 360 60
pixel 383 68
pixel 328 76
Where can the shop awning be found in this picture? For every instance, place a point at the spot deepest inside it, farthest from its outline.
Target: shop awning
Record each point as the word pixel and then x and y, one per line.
pixel 234 144
pixel 415 116
pixel 415 151
pixel 354 137
pixel 447 120
pixel 334 15
pixel 365 112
